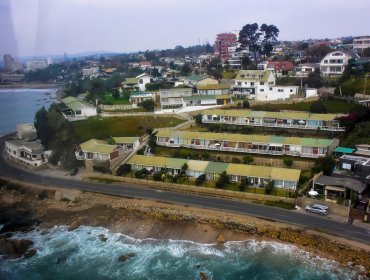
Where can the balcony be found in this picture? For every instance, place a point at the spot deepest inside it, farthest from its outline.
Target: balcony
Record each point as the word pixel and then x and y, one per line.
pixel 264 124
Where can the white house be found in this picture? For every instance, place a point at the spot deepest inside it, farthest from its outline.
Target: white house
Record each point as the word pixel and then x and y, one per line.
pixel 260 85
pixel 138 97
pixel 29 153
pixel 361 43
pixel 248 82
pixel 77 109
pixel 142 80
pixel 92 72
pixel 334 63
pixel 304 70
pixel 276 93
pixel 174 98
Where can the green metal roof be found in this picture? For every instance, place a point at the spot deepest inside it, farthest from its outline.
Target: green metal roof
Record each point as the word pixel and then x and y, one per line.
pixel 344 150
pixel 217 167
pixel 75 104
pixel 246 138
pixel 195 77
pixel 97 146
pixel 260 75
pixel 278 115
pixel 213 86
pixel 130 81
pixel 125 140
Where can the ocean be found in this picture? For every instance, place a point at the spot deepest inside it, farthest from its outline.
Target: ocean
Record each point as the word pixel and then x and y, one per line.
pixel 20 106
pixel 81 254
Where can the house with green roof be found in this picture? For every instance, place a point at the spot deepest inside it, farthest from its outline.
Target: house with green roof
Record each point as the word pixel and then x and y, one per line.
pixel 107 154
pixel 207 100
pixel 242 143
pixel 130 83
pixel 140 96
pixel 77 109
pixel 213 89
pixel 261 85
pixel 258 176
pixel 173 98
pixel 192 80
pixel 283 119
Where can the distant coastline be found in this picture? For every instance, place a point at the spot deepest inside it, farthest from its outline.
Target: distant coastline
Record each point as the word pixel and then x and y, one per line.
pixel 32 85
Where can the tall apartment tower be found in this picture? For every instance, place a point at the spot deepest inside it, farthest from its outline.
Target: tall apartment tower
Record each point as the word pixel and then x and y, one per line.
pixel 222 44
pixel 11 64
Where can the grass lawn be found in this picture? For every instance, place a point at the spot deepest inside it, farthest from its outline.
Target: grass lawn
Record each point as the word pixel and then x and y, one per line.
pixel 333 106
pixel 119 101
pixel 102 128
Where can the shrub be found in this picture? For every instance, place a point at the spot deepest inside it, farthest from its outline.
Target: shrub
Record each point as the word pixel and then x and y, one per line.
pixel 281 204
pixel 235 160
pixel 318 107
pixel 245 104
pixel 324 164
pixel 243 184
pixel 270 187
pixel 288 162
pixel 222 181
pixel 123 169
pixel 200 180
pixel 248 159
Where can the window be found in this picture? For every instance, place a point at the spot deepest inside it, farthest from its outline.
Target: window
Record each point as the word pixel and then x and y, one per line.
pixel 141 81
pixel 239 83
pixel 280 90
pixel 291 90
pixel 325 61
pixel 252 83
pixel 262 83
pixel 270 88
pixel 262 90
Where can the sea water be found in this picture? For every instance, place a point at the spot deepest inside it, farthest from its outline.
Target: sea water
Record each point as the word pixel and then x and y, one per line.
pixel 20 105
pixel 81 254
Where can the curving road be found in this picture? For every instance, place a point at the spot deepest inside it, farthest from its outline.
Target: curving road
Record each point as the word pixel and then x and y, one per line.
pixel 322 224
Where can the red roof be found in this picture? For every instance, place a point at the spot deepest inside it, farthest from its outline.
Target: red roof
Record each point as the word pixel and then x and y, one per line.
pixel 145 63
pixel 281 65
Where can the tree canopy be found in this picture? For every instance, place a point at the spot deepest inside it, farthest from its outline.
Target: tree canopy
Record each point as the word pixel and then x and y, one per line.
pixel 258 39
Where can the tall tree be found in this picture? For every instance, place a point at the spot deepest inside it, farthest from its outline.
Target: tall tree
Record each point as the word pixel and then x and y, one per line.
pixel 259 40
pixel 249 37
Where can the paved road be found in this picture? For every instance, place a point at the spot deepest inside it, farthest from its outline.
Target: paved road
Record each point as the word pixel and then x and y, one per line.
pixel 310 221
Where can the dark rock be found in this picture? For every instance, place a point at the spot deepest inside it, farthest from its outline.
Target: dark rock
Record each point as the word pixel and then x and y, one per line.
pixel 74 225
pixel 14 248
pixel 124 258
pixel 19 224
pixel 203 276
pixel 30 253
pixel 103 238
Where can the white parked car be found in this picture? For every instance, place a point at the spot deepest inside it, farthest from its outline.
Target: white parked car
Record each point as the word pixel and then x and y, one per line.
pixel 317 208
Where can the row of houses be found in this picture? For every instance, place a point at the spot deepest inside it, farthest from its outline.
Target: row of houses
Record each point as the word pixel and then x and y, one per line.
pixel 294 120
pixel 258 176
pixel 242 143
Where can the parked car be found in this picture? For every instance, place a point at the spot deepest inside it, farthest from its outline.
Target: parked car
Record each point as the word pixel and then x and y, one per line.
pixel 317 208
pixel 73 171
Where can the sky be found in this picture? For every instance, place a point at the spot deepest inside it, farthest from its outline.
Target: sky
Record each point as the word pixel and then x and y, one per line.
pixel 52 27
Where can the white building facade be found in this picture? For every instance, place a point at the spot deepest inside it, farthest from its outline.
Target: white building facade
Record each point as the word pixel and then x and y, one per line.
pixel 334 63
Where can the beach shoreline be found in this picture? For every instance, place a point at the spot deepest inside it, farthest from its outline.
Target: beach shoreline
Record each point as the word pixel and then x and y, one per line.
pixel 143 219
pixel 31 85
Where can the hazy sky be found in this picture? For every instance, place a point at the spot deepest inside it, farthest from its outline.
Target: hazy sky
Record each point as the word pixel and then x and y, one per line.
pixel 43 27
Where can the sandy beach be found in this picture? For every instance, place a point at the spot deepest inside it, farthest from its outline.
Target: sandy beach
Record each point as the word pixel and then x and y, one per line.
pixel 145 219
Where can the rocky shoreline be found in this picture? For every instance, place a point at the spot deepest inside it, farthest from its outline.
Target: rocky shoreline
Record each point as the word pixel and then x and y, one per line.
pixel 24 206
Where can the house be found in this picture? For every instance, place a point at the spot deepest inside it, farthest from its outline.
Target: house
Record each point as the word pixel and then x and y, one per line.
pixel 294 120
pixel 362 150
pixel 77 109
pixel 340 151
pixel 356 167
pixel 260 85
pixel 304 70
pixel 258 176
pixel 242 143
pixel 98 154
pixel 173 98
pixel 142 80
pixel 130 83
pixel 248 82
pixel 138 97
pixel 213 89
pixel 26 149
pixel 276 66
pixel 90 73
pixel 192 80
pixel 334 63
pixel 145 64
pixel 334 188
pixel 207 81
pixel 361 43
pixel 207 100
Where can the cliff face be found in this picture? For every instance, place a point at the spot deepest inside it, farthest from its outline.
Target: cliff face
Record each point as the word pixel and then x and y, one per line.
pixel 24 207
